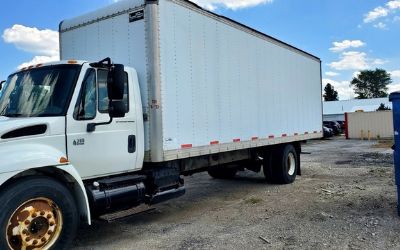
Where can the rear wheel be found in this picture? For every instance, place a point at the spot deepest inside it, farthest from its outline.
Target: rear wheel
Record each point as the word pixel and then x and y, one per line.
pixel 220 172
pixel 37 213
pixel 281 165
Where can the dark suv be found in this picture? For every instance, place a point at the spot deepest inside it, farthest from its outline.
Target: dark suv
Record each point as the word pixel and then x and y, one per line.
pixel 335 126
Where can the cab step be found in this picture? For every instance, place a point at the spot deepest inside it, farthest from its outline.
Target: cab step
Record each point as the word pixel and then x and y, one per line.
pixel 126 213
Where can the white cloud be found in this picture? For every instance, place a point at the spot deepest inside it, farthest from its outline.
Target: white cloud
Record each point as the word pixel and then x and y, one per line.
pixel 395 74
pixel 38 60
pixel 376 13
pixel 395 4
pixel 351 60
pixel 393 87
pixel 380 25
pixel 230 4
pixel 354 60
pixel 33 40
pixel 43 44
pixel 378 62
pixel 330 73
pixel 345 44
pixel 345 91
pixel 379 12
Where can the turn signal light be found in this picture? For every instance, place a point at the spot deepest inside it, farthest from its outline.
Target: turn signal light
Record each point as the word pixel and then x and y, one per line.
pixel 63 160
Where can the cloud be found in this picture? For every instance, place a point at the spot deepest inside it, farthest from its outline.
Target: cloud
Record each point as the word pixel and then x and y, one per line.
pixel 381 26
pixel 330 73
pixel 351 60
pixel 379 12
pixel 43 44
pixel 33 40
pixel 345 91
pixel 345 44
pixel 393 87
pixel 38 60
pixel 354 60
pixel 395 74
pixel 230 4
pixel 378 62
pixel 393 4
pixel 376 13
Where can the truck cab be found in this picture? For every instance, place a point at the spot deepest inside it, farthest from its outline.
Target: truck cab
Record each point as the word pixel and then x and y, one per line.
pixel 53 105
pixel 70 121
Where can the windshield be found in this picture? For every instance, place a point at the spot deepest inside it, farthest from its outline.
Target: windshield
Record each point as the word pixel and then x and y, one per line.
pixel 36 92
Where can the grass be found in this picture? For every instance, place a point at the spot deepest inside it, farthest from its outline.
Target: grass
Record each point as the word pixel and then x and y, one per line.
pixel 388 143
pixel 253 200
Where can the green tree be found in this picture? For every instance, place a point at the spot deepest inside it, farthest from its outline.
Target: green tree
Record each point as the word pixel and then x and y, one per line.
pixel 382 107
pixel 371 84
pixel 330 93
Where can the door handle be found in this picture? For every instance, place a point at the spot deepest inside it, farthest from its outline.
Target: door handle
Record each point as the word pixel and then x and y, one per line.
pixel 131 144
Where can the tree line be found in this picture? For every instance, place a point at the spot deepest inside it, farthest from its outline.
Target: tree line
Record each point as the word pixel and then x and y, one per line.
pixel 367 84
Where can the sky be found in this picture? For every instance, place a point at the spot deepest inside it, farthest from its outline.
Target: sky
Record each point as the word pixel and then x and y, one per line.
pixel 348 35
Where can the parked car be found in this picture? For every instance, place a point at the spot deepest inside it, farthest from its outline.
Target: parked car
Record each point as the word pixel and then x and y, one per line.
pixel 335 126
pixel 342 125
pixel 328 132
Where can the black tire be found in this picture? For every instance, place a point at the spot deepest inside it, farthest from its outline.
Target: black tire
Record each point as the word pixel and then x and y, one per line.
pixel 281 165
pixel 32 188
pixel 222 172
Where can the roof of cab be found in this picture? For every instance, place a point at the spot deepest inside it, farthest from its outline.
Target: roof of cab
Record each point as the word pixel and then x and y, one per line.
pixel 64 62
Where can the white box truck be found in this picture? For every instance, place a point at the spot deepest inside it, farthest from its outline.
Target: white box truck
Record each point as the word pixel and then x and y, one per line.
pixel 181 90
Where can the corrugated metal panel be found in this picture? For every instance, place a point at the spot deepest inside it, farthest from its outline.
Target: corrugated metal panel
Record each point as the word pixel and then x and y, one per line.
pixel 372 125
pixel 220 83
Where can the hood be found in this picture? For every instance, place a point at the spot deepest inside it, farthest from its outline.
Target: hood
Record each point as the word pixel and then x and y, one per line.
pixel 17 128
pixel 31 142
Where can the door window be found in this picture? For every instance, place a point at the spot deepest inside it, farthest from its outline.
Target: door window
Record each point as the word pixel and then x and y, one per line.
pixel 102 76
pixel 86 107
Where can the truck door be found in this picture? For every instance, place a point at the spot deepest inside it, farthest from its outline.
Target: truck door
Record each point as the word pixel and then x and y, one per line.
pixel 111 148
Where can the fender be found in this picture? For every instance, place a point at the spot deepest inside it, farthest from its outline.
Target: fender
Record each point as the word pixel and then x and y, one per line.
pixel 16 160
pixel 17 157
pixel 79 190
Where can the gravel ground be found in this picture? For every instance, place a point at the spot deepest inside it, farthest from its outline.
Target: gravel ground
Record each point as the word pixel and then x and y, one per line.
pixel 345 199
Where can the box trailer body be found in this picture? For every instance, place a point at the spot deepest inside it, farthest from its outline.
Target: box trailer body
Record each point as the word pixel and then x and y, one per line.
pixel 208 84
pixel 180 90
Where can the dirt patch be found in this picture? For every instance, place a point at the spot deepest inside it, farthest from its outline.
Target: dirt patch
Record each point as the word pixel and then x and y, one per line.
pixel 370 159
pixel 384 144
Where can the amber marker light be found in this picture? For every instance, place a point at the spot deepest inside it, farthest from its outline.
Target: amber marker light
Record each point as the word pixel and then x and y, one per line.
pixel 64 160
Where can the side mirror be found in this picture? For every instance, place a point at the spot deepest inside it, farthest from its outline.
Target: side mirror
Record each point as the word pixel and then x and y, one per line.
pixel 116 82
pixel 1 84
pixel 117 109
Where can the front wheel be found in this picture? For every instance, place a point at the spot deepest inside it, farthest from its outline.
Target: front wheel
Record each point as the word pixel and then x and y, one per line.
pixel 37 213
